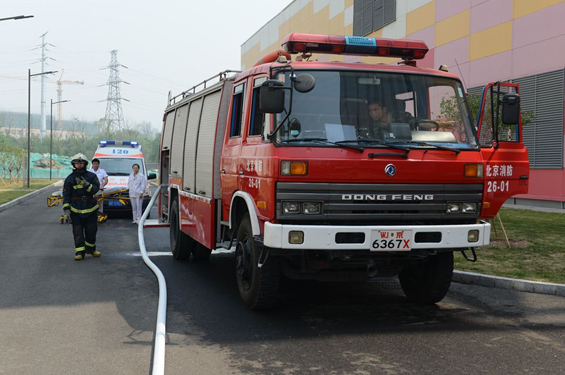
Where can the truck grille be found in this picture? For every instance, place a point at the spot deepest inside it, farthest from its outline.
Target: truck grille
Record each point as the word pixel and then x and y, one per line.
pixel 379 203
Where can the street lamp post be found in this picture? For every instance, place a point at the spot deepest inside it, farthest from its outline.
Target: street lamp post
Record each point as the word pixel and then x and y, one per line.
pixel 51 140
pixel 29 75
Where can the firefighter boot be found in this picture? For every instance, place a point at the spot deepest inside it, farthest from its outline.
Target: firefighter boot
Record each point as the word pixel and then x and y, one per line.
pixel 79 255
pixel 94 253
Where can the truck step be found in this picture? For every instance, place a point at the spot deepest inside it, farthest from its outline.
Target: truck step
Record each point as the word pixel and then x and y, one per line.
pixel 154 223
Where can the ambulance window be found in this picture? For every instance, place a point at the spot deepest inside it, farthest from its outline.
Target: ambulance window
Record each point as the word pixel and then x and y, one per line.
pixel 237 111
pixel 257 117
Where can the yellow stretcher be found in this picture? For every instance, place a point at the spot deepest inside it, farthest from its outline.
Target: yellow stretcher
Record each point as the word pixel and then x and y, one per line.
pixel 56 198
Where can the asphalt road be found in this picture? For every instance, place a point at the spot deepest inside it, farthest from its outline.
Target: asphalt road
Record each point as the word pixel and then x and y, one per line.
pixel 58 316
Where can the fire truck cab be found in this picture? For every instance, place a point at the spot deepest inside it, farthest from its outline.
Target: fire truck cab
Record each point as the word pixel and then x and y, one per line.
pixel 338 171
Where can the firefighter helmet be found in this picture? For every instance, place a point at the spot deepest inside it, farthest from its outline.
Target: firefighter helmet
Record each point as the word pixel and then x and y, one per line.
pixel 79 158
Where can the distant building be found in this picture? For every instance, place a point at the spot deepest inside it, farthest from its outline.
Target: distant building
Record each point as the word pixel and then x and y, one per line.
pixel 480 40
pixel 15 124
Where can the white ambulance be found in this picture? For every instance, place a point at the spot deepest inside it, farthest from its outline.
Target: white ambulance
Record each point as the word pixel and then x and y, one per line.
pixel 117 159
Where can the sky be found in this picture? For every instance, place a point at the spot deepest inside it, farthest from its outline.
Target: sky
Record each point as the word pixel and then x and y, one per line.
pixel 166 45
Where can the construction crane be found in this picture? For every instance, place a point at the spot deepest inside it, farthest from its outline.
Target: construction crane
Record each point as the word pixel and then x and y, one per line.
pixel 60 83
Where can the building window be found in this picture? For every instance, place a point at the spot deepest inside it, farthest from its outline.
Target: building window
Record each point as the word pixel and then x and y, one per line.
pixel 371 15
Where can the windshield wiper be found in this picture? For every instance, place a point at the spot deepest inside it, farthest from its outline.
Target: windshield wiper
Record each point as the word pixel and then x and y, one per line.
pixel 118 174
pixel 439 147
pixel 376 142
pixel 324 140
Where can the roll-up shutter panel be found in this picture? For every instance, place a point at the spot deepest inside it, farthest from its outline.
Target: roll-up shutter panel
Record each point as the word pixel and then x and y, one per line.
pixel 168 131
pixel 543 94
pixel 177 148
pixel 190 146
pixel 205 150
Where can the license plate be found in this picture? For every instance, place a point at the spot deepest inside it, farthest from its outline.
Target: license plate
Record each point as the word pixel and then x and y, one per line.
pixel 391 240
pixel 115 203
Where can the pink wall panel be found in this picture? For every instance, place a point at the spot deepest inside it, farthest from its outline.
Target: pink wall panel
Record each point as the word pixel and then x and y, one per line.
pixel 448 8
pixel 539 57
pixel 474 3
pixel 539 26
pixel 456 50
pixel 541 188
pixel 428 61
pixel 490 69
pixel 428 35
pixel 490 13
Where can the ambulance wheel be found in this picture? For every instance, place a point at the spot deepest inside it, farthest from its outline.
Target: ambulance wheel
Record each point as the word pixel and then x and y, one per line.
pixel 258 287
pixel 180 242
pixel 428 282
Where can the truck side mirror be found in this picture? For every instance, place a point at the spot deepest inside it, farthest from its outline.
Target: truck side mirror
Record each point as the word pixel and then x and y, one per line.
pixel 510 108
pixel 271 99
pixel 151 176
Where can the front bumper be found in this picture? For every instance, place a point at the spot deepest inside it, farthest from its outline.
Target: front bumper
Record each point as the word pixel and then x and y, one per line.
pixel 323 237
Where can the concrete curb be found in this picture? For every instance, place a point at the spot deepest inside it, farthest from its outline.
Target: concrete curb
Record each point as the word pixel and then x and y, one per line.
pixel 19 200
pixel 509 284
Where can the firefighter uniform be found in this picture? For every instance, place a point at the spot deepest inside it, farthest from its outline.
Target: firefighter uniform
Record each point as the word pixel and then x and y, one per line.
pixel 81 207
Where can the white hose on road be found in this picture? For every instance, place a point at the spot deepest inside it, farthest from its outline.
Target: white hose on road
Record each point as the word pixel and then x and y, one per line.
pixel 161 326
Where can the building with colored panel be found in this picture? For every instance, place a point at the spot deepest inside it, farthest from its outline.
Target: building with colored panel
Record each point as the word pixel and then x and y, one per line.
pixel 480 40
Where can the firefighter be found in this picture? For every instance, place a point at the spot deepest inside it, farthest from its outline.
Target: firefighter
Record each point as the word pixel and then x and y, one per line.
pixel 81 208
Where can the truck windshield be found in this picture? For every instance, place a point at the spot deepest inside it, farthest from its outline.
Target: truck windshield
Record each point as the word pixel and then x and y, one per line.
pixel 121 166
pixel 375 108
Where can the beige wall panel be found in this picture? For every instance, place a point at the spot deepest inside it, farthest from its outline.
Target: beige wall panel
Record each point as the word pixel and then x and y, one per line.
pixel 336 25
pixel 421 18
pixel 453 28
pixel 284 30
pixel 491 41
pixel 525 7
pixel 322 18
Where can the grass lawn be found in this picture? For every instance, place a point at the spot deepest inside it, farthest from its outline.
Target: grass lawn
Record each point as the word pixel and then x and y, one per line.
pixel 536 252
pixel 10 192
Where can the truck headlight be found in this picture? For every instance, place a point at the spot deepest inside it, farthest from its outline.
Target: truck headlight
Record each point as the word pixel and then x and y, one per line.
pixel 453 207
pixel 469 208
pixel 309 208
pixel 291 207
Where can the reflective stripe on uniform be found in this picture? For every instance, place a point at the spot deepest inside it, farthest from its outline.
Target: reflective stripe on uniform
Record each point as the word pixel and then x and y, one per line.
pixel 66 205
pixel 89 188
pixel 77 187
pixel 86 211
pixel 89 244
pixel 82 248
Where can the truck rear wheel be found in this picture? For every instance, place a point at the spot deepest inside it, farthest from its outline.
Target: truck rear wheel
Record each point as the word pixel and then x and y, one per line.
pixel 429 281
pixel 180 242
pixel 258 287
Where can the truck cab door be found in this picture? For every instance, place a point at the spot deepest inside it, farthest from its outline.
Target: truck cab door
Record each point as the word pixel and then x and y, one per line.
pixel 230 164
pixel 506 165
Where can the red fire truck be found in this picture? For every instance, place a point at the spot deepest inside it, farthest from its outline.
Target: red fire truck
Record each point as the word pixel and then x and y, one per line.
pixel 289 163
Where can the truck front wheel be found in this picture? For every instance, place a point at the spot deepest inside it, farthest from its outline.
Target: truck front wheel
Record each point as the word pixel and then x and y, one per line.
pixel 428 281
pixel 258 287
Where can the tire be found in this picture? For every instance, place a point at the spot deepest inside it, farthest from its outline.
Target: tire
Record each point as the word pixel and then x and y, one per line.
pixel 429 281
pixel 200 252
pixel 258 287
pixel 180 242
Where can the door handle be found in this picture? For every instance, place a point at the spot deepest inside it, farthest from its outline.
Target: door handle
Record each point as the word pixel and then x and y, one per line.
pixel 241 173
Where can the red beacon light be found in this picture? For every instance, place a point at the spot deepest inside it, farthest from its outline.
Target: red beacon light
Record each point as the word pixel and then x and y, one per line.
pixel 354 45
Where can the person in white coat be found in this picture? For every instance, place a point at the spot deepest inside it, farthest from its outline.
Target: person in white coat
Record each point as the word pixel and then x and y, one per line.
pixel 137 184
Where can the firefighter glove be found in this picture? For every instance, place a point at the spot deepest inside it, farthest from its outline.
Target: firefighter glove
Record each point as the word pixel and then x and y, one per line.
pixel 68 215
pixel 81 181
